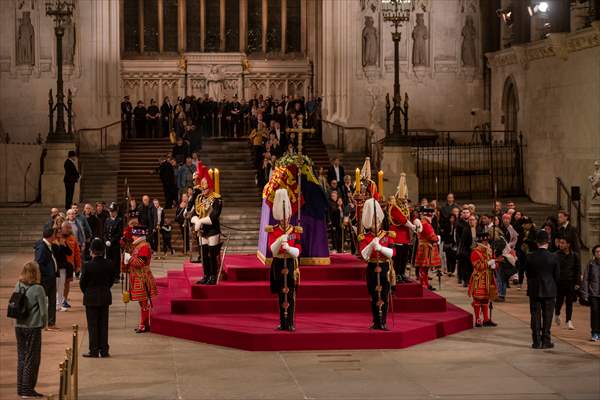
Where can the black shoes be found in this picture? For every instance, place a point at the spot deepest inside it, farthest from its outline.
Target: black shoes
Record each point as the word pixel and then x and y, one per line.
pixel 90 355
pixel 548 345
pixel 31 395
pixel 203 281
pixel 489 322
pixel 536 346
pixel 139 330
pixel 478 325
pixel 207 280
pixel 290 328
pixel 379 327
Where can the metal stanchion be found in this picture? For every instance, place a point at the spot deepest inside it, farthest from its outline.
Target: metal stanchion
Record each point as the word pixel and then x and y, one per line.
pixel 75 364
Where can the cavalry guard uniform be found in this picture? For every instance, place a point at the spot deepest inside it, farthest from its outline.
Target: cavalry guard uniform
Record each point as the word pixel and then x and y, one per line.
pixel 376 248
pixel 428 253
pixel 205 208
pixel 142 284
pixel 400 224
pixel 482 286
pixel 284 242
pixel 365 189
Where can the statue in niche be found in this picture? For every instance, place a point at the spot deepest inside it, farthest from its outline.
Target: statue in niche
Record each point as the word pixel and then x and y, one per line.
pixel 25 41
pixel 214 80
pixel 420 35
pixel 68 43
pixel 370 43
pixel 468 53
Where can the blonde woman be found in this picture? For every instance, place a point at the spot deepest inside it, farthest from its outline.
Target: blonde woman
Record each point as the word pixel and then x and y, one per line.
pixel 29 330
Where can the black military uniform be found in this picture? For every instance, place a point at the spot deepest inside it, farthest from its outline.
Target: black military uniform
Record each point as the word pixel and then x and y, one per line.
pixel 126 115
pixel 207 208
pixel 96 281
pixel 113 230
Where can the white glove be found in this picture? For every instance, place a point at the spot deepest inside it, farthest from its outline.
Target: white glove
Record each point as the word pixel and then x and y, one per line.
pixel 206 221
pixel 126 258
pixel 386 251
pixel 410 226
pixel 107 243
pixel 378 247
pixel 418 225
pixel 492 264
pixel 439 239
pixel 285 246
pixel 292 251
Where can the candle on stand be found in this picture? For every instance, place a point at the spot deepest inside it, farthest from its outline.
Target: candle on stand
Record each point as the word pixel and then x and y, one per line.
pixel 357 181
pixel 380 183
pixel 216 178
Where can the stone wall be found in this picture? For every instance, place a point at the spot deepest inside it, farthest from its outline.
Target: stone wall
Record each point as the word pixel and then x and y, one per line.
pixel 557 84
pixel 92 71
pixel 19 172
pixel 442 81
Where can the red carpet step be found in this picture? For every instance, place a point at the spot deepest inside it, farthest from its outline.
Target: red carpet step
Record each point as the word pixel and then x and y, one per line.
pixel 333 309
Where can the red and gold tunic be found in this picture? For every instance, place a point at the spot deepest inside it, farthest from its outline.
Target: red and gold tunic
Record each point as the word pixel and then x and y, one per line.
pixel 385 241
pixel 293 239
pixel 140 275
pixel 482 285
pixel 398 217
pixel 428 253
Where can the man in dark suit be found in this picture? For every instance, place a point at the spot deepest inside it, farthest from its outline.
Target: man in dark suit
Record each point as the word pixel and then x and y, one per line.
pixel 567 231
pixel 113 230
pixel 48 266
pixel 126 114
pixel 543 274
pixel 335 171
pixel 96 281
pixel 71 178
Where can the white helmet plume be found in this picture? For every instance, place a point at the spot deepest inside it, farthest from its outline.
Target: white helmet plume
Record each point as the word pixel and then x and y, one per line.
pixel 371 206
pixel 365 172
pixel 281 205
pixel 402 190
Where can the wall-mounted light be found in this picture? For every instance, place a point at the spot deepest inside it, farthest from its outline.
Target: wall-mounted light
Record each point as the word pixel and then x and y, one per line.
pixel 505 15
pixel 538 7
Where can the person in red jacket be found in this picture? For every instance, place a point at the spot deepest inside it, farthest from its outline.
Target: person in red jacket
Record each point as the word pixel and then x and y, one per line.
pixel 142 283
pixel 482 285
pixel 428 254
pixel 376 248
pixel 284 242
pixel 400 223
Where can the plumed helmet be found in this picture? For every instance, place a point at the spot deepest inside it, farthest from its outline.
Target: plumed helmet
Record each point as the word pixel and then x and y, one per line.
pixel 402 189
pixel 282 207
pixel 371 211
pixel 365 172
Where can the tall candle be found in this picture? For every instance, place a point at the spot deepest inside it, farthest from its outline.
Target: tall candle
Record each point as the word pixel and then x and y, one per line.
pixel 217 183
pixel 357 181
pixel 380 183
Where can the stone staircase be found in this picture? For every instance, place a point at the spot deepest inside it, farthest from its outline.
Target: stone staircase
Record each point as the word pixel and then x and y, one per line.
pixel 99 176
pixel 313 147
pixel 241 198
pixel 20 227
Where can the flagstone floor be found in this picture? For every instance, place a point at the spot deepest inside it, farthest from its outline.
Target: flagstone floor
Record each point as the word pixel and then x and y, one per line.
pixel 486 363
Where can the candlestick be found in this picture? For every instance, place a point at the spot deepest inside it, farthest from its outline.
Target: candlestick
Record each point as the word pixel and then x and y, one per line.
pixel 357 181
pixel 217 183
pixel 380 183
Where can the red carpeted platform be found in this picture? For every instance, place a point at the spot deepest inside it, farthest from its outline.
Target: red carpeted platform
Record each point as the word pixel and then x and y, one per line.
pixel 333 310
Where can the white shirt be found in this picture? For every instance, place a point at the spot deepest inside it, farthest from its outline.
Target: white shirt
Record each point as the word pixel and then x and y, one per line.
pixel 337 173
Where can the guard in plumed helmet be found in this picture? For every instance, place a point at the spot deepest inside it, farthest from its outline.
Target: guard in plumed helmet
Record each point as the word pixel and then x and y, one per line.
pixel 482 285
pixel 142 284
pixel 428 254
pixel 204 208
pixel 284 242
pixel 399 218
pixel 377 248
pixel 365 189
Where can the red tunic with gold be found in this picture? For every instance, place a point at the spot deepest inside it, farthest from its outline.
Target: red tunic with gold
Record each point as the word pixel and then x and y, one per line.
pixel 140 275
pixel 398 216
pixel 428 254
pixel 283 259
pixel 482 285
pixel 367 238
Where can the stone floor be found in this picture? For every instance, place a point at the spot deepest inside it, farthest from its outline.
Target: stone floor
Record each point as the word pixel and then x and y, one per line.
pixel 481 363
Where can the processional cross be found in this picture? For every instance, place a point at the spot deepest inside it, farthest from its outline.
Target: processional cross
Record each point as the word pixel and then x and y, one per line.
pixel 300 130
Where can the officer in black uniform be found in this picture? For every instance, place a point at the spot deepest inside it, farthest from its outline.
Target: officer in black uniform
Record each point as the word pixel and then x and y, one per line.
pixel 113 230
pixel 205 209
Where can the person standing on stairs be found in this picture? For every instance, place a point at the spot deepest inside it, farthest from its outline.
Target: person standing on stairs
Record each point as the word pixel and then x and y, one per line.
pixel 71 178
pixel 205 211
pixel 376 248
pixel 284 242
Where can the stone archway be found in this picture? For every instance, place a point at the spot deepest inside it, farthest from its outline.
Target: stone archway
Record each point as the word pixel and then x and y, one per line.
pixel 510 109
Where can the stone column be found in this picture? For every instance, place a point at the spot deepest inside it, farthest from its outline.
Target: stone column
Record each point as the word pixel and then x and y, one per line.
pixel 181 32
pixel 593 224
pixel 243 24
pixel 202 24
pixel 161 28
pixel 395 160
pixel 222 25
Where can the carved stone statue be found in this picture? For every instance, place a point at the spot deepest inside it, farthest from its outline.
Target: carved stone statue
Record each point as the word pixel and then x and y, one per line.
pixel 468 53
pixel 420 35
pixel 214 80
pixel 370 43
pixel 26 41
pixel 68 43
pixel 595 180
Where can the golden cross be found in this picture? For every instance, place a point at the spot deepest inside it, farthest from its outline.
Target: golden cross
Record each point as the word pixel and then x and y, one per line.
pixel 300 130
